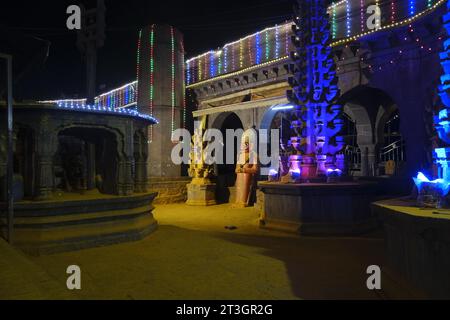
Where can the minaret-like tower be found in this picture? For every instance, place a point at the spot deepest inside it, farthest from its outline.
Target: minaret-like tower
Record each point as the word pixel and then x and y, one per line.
pixel 161 93
pixel 314 93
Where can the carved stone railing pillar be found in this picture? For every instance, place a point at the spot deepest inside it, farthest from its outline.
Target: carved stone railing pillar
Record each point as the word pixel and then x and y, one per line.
pixel 46 146
pixel 125 183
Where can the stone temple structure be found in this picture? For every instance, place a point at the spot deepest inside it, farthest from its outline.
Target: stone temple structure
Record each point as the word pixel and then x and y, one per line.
pixel 80 176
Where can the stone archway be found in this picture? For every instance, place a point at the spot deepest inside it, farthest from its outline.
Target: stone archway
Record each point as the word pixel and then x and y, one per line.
pixel 225 173
pixel 88 159
pixel 364 105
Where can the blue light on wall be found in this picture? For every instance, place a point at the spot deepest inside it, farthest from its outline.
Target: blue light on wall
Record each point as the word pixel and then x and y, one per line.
pixel 412 7
pixel 258 48
pixel 441 185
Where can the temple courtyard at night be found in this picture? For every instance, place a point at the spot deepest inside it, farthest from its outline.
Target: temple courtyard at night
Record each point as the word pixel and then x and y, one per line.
pixel 193 256
pixel 273 150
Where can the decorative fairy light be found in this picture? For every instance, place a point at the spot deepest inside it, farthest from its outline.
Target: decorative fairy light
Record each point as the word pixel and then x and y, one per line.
pixel 412 7
pixel 277 42
pixel 225 60
pixel 241 54
pixel 173 77
pixel 258 48
pixel 249 49
pixel 362 10
pixel 348 18
pixel 97 109
pixel 206 68
pixel 393 13
pixel 212 69
pixel 152 76
pixel 334 23
pixel 188 72
pixel 105 99
pixel 220 65
pixel 183 85
pixel 287 38
pixel 233 58
pixel 403 17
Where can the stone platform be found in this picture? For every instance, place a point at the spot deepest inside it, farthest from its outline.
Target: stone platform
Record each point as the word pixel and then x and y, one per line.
pixel 418 244
pixel 73 221
pixel 317 208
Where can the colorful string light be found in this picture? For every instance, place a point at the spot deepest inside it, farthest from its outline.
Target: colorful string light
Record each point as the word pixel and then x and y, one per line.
pixel 412 7
pixel 277 41
pixel 394 18
pixel 152 76
pixel 138 59
pixel 258 48
pixel 173 98
pixel 348 18
pixel 334 23
pixel 362 12
pixel 241 54
pixel 393 13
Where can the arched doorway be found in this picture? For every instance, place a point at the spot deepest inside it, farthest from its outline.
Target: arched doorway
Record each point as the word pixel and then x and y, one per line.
pixel 226 175
pixel 352 150
pixel 86 159
pixel 279 118
pixel 368 110
pixel 392 147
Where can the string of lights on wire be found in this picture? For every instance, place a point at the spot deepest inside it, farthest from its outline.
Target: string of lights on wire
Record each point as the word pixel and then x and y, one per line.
pixel 123 97
pixel 345 28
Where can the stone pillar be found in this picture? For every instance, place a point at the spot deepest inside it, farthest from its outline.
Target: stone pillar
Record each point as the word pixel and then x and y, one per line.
pixel 125 185
pixel 90 156
pixel 368 160
pixel 46 146
pixel 141 157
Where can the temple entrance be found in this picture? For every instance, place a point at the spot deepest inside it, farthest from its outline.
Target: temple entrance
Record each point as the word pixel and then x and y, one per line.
pixel 86 160
pixel 226 173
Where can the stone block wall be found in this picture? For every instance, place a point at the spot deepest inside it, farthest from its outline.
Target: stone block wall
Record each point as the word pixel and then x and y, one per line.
pixel 170 190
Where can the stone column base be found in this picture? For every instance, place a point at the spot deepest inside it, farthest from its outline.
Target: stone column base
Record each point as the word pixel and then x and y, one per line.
pixel 201 194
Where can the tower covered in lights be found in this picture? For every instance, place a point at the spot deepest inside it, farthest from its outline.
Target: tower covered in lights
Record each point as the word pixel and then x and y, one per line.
pixel 161 92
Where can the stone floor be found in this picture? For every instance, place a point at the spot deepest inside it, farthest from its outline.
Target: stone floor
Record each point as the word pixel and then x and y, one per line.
pixel 193 256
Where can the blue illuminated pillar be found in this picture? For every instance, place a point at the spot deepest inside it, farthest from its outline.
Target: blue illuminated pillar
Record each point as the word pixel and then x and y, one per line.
pixel 317 122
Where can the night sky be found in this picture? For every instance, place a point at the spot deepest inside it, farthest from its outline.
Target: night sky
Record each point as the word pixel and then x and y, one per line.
pixel 205 24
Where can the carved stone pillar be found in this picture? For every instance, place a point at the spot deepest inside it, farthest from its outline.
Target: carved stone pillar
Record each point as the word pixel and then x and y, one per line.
pixel 368 160
pixel 125 184
pixel 141 157
pixel 46 146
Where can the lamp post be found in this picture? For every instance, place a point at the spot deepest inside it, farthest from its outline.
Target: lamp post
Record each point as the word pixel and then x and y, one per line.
pixel 9 166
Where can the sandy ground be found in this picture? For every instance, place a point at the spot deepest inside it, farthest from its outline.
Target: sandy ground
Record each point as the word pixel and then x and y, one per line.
pixel 193 256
